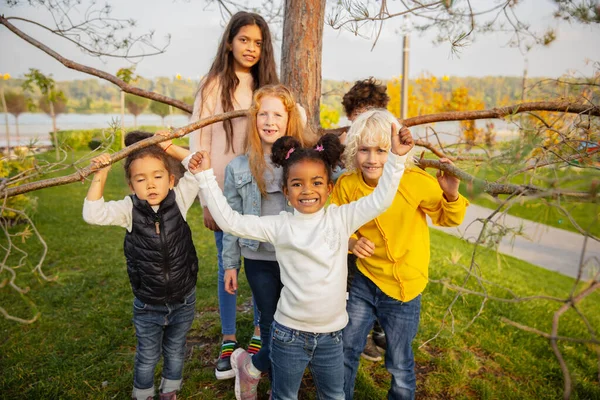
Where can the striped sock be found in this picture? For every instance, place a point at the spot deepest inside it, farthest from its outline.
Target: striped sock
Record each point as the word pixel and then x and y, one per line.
pixel 227 348
pixel 255 345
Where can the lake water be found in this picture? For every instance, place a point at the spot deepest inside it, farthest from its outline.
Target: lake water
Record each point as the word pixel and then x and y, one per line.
pixel 37 126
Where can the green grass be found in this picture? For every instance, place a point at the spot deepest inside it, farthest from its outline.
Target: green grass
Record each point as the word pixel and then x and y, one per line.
pixel 83 344
pixel 546 211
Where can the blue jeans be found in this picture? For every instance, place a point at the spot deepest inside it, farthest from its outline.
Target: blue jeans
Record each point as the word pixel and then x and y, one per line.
pixel 292 351
pixel 265 282
pixel 400 322
pixel 227 302
pixel 160 329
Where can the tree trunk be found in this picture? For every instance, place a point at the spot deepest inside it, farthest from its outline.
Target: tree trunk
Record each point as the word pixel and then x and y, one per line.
pixel 301 49
pixel 53 116
pixel 5 122
pixel 134 121
pixel 122 119
pixel 17 128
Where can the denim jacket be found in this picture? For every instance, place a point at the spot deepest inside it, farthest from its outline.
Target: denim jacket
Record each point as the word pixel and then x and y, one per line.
pixel 243 196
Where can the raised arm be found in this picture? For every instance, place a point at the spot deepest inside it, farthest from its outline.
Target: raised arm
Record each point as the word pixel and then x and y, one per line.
pixel 175 151
pixel 358 213
pixel 263 229
pixel 96 190
pixel 98 212
pixel 449 208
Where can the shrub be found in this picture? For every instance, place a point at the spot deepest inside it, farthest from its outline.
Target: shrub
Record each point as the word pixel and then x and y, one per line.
pixel 79 139
pixel 22 202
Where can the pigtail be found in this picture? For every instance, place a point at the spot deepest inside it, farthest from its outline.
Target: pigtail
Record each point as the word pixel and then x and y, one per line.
pixel 283 150
pixel 330 149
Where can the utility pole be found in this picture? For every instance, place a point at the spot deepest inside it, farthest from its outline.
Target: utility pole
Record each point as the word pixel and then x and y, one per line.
pixel 404 92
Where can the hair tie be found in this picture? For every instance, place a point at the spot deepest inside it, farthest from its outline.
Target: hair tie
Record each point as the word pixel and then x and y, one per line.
pixel 289 153
pixel 319 148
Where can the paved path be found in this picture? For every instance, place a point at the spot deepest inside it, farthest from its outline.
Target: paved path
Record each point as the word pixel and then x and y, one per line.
pixel 551 248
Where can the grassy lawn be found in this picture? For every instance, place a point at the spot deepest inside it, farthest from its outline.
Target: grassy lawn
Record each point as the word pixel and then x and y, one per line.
pixel 546 211
pixel 83 344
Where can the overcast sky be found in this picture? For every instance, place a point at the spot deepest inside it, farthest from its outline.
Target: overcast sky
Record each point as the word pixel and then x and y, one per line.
pixel 196 28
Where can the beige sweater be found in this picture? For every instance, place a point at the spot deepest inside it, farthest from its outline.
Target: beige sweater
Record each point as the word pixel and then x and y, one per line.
pixel 212 138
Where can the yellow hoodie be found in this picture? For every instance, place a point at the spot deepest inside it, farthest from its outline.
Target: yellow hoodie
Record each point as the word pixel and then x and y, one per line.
pixel 399 266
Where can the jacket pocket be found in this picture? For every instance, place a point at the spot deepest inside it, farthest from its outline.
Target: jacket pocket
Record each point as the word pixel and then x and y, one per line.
pixel 241 179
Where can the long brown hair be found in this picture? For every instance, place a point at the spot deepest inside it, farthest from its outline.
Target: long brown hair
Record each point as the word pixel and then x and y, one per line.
pixel 254 149
pixel 263 72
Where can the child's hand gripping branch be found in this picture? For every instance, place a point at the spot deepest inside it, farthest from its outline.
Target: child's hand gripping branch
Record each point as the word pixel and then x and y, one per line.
pixel 96 190
pixel 177 152
pixel 448 183
pixel 402 140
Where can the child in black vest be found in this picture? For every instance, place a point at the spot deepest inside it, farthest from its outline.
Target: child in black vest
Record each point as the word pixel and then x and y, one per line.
pixel 161 259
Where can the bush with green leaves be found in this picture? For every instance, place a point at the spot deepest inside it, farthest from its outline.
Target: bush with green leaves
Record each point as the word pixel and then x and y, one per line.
pixel 26 203
pixel 80 139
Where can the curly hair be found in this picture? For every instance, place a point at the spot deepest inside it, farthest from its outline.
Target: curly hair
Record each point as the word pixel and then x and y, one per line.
pixel 371 128
pixel 365 94
pixel 254 148
pixel 288 151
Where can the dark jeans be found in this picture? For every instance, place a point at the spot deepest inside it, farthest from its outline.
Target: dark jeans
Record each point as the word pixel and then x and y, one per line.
pixel 265 282
pixel 400 321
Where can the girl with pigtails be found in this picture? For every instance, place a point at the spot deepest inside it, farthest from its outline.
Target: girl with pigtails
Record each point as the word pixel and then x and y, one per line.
pixel 311 244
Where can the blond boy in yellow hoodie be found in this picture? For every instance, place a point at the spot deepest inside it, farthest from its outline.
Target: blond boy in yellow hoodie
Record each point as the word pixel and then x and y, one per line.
pixel 392 250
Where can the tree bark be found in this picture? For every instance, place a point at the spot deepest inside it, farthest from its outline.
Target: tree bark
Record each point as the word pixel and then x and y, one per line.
pixel 301 54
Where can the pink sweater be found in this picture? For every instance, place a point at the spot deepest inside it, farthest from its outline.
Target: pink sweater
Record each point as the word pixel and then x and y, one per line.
pixel 212 138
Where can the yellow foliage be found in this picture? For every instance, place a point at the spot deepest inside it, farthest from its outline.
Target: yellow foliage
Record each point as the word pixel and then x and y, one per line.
pixel 19 202
pixel 329 116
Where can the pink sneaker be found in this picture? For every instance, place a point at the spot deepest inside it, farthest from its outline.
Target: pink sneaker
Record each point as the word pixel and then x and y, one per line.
pixel 245 384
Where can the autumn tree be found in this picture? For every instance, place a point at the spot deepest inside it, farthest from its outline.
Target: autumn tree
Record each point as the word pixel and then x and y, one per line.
pixel 51 96
pixel 16 103
pixel 135 105
pixel 160 109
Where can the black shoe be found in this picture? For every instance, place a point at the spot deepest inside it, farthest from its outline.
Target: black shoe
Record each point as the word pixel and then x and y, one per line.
pixel 380 341
pixel 370 351
pixel 223 370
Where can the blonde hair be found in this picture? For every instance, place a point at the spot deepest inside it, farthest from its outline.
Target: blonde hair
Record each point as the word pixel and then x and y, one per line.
pixel 371 128
pixel 254 150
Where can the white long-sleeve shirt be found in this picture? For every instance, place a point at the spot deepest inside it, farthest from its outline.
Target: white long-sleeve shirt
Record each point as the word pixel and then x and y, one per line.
pixel 99 212
pixel 311 248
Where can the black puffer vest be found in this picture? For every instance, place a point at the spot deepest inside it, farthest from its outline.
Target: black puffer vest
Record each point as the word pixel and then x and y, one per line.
pixel 161 257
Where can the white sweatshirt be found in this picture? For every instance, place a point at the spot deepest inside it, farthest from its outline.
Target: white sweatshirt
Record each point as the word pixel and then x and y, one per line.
pixel 311 248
